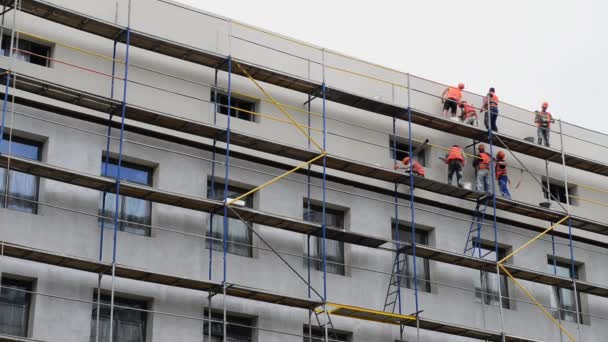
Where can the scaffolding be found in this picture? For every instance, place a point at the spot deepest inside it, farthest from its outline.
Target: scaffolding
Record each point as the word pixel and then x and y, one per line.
pixel 317 303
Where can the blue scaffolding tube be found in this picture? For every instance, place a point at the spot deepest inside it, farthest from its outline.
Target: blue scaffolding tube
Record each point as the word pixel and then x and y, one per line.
pixel 116 202
pixel 324 198
pixel 413 213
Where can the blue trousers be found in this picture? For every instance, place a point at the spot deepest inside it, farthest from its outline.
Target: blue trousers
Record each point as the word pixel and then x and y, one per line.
pixel 503 184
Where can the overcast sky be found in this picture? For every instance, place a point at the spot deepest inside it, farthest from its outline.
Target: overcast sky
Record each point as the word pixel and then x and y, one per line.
pixel 529 50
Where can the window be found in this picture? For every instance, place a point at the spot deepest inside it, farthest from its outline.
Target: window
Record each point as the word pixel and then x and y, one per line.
pixel 238 329
pixel 565 297
pixel 318 335
pixel 403 148
pixel 15 307
pixel 129 321
pixel 20 190
pixel 27 51
pixel 239 236
pixel 422 265
pixel 558 192
pixel 135 213
pixel 334 250
pixel 486 286
pixel 240 109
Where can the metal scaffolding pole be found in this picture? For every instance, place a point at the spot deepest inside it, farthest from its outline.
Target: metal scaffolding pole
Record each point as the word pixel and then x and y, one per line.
pixel 412 208
pixel 227 177
pixel 397 239
pixel 571 245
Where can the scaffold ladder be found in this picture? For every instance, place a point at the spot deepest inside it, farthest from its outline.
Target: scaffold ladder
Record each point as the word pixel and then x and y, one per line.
pixel 394 285
pixel 331 332
pixel 474 237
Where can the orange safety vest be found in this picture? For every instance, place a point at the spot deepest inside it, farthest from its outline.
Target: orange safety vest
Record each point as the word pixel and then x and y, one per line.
pixel 416 166
pixel 454 94
pixel 501 168
pixel 543 119
pixel 469 110
pixel 484 163
pixel 493 100
pixel 456 153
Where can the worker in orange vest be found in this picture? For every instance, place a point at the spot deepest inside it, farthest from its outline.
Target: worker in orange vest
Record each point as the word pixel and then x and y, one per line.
pixel 410 165
pixel 490 105
pixel 501 174
pixel 468 114
pixel 543 122
pixel 451 98
pixel 455 160
pixel 482 166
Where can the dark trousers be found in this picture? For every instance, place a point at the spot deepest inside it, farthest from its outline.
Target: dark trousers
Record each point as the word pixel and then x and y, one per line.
pixel 493 115
pixel 455 168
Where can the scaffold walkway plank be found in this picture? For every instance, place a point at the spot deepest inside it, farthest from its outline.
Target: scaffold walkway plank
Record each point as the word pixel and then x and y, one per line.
pixel 106 105
pixel 9 338
pixel 251 215
pixel 410 321
pixel 122 271
pixel 199 56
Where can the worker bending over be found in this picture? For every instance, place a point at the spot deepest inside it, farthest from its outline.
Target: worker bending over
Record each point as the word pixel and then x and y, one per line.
pixel 543 122
pixel 455 160
pixel 414 167
pixel 468 114
pixel 451 98
pixel 482 165
pixel 490 105
pixel 501 175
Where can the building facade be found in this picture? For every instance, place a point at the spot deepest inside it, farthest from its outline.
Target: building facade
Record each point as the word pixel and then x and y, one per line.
pixel 51 303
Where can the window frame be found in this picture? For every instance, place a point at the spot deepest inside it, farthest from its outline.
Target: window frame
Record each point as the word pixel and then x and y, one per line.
pixel 238 321
pixel 31 45
pixel 318 334
pixel 317 246
pixel 123 224
pixel 402 148
pixel 425 233
pixel 237 105
pixel 233 246
pixel 561 196
pixel 485 294
pixel 25 141
pixel 564 313
pixel 140 305
pixel 29 287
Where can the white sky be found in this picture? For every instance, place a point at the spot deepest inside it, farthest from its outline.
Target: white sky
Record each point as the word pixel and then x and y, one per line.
pixel 529 50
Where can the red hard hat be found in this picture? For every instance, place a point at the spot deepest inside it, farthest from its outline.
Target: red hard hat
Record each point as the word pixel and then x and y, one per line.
pixel 460 85
pixel 500 155
pixel 545 104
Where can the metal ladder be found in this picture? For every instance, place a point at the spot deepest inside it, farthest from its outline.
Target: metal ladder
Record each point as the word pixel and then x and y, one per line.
pixel 474 237
pixel 392 292
pixel 331 332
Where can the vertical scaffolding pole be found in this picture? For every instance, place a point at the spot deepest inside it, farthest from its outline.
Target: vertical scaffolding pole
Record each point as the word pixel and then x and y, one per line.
pixel 310 312
pixel 571 245
pixel 226 175
pixel 412 208
pixel 120 148
pixel 397 239
pixel 493 174
pixel 213 152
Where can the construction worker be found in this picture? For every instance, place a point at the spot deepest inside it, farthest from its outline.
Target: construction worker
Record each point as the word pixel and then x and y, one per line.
pixel 415 167
pixel 543 122
pixel 451 98
pixel 455 160
pixel 468 114
pixel 490 105
pixel 501 174
pixel 482 165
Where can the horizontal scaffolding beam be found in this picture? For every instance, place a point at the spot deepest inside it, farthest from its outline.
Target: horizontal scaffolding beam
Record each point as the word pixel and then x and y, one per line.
pixel 106 105
pixel 8 338
pixel 271 220
pixel 199 56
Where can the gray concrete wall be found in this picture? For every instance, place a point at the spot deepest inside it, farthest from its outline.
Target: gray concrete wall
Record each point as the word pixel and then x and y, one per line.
pixel 452 298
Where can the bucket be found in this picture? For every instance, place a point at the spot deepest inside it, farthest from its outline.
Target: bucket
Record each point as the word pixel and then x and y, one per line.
pixel 467 185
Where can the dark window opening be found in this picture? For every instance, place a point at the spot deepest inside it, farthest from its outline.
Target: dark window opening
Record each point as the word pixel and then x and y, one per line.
pixel 239 237
pixel 134 213
pixel 565 297
pixel 422 265
pixel 238 329
pixel 558 192
pixel 239 108
pixel 27 51
pixel 129 321
pixel 402 149
pixel 334 250
pixel 318 334
pixel 18 190
pixel 15 305
pixel 486 286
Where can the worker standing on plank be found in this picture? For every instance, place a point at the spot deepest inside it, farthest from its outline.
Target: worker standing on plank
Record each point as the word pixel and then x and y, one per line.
pixel 501 174
pixel 414 167
pixel 455 160
pixel 468 114
pixel 482 165
pixel 451 98
pixel 543 122
pixel 490 105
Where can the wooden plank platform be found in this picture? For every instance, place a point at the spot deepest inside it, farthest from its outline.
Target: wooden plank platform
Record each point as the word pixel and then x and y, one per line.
pixel 106 105
pixel 199 56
